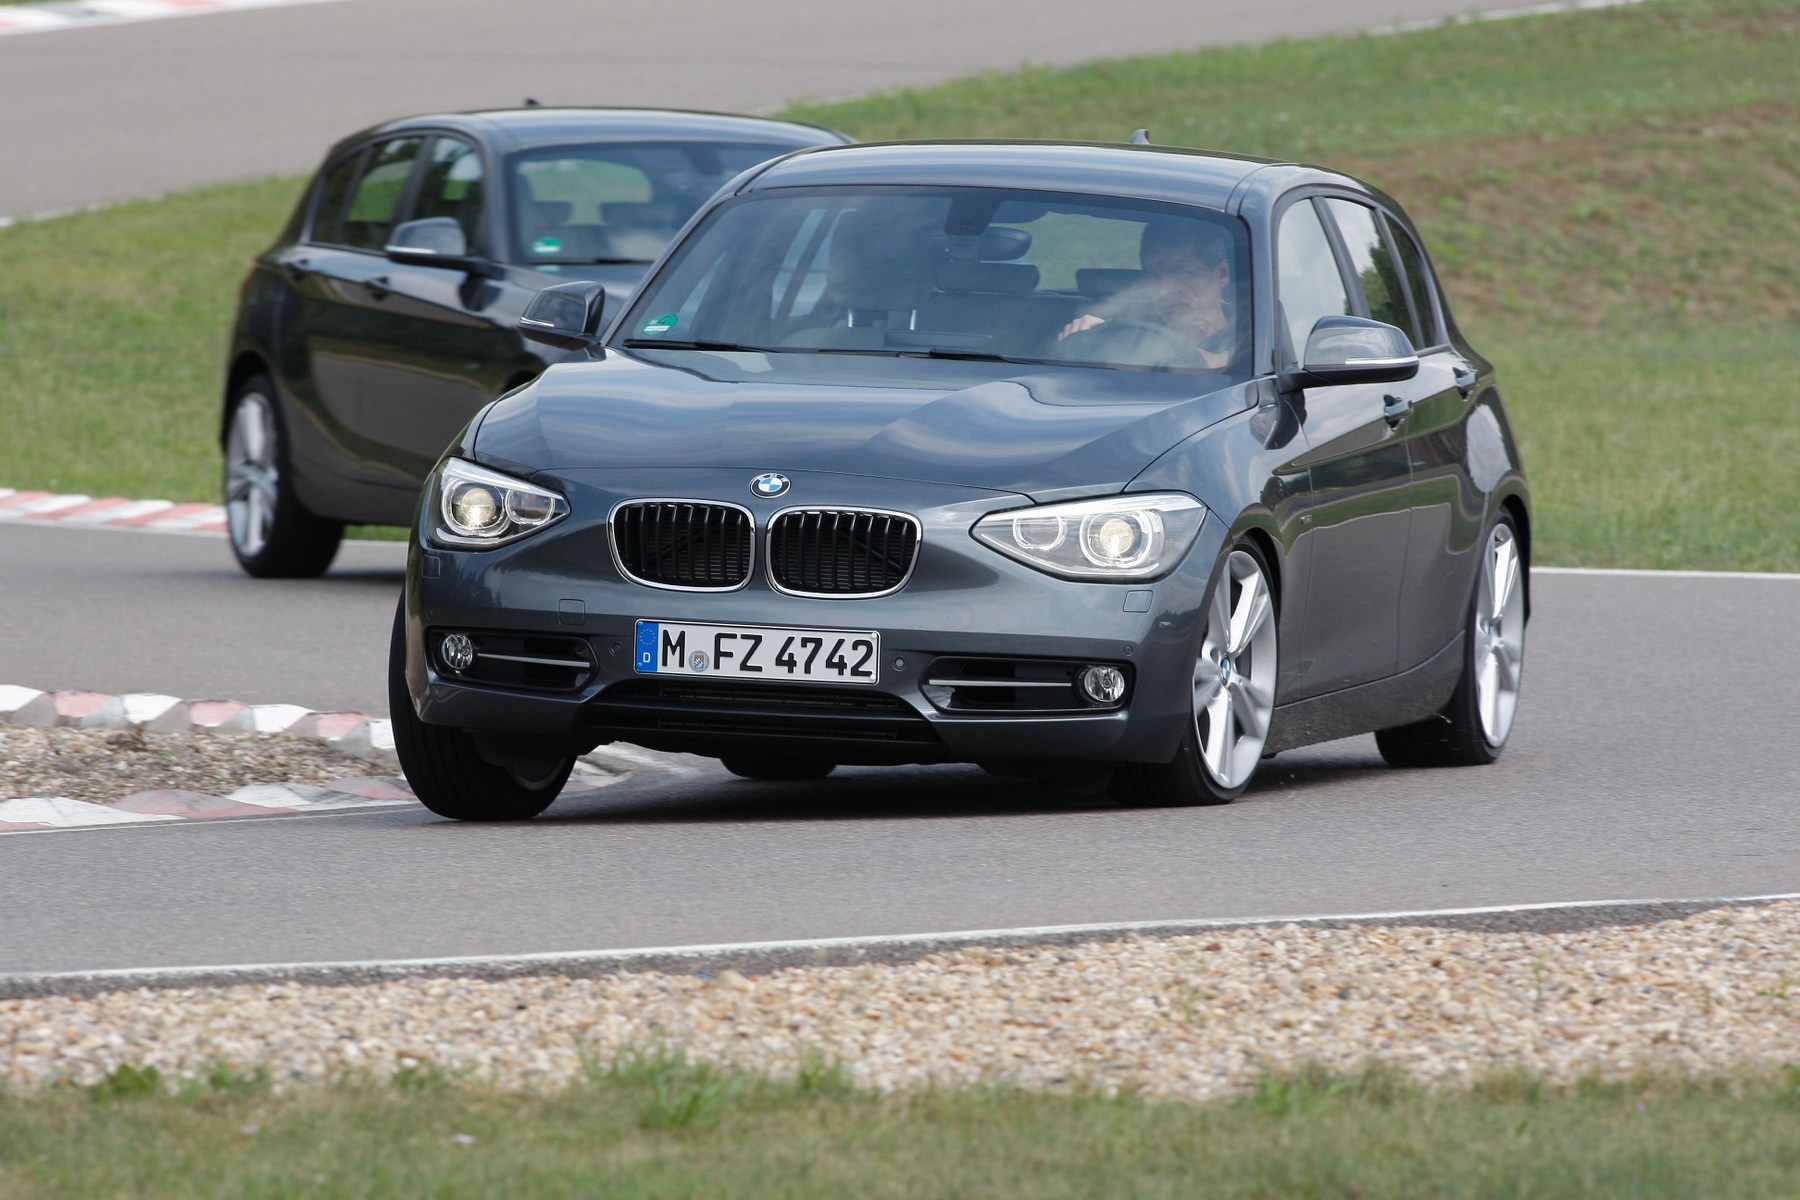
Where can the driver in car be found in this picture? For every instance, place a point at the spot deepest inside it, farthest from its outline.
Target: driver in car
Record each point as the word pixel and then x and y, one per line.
pixel 1177 314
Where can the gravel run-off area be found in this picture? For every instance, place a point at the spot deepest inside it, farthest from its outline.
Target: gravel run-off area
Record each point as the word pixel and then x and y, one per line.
pixel 1192 1017
pixel 103 766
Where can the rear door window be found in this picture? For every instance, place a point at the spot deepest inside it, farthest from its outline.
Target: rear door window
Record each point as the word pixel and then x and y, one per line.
pixel 328 218
pixel 1418 286
pixel 374 207
pixel 1372 262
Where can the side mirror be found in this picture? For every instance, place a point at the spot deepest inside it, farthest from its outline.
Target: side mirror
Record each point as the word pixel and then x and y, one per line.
pixel 566 316
pixel 434 242
pixel 1353 350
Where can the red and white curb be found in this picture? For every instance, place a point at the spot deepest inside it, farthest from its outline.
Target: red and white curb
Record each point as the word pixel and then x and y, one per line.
pixel 356 734
pixel 111 512
pixel 71 14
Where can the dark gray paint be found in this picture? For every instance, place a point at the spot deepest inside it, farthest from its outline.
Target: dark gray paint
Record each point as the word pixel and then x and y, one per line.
pixel 675 423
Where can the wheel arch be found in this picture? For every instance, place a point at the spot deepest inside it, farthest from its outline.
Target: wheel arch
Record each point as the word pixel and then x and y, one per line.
pixel 244 365
pixel 1266 542
pixel 1513 505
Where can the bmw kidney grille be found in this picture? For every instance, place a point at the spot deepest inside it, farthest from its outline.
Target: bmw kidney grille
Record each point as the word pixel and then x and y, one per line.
pixel 707 546
pixel 841 552
pixel 684 544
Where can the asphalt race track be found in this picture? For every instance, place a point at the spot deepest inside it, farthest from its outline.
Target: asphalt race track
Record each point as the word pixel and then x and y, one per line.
pixel 116 112
pixel 1636 771
pixel 1654 755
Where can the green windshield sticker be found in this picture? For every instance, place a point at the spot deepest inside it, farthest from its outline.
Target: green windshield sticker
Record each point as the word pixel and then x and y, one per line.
pixel 662 324
pixel 546 245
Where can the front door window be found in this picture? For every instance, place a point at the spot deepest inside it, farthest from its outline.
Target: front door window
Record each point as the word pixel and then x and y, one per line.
pixel 1310 286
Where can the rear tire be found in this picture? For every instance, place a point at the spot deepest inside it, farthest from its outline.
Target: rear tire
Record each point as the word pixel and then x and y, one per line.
pixel 444 766
pixel 1472 729
pixel 777 768
pixel 1233 695
pixel 272 535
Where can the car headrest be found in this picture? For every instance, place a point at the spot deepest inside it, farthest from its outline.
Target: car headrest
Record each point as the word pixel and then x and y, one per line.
pixel 880 260
pixel 546 213
pixel 999 277
pixel 1100 283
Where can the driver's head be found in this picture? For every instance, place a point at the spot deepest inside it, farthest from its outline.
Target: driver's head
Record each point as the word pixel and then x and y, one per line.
pixel 1187 266
pixel 1184 247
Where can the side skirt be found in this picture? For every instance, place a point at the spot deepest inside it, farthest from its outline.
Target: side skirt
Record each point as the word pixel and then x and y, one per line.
pixel 1397 700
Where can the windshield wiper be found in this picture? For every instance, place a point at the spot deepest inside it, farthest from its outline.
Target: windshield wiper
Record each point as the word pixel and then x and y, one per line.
pixel 697 344
pixel 910 352
pixel 968 355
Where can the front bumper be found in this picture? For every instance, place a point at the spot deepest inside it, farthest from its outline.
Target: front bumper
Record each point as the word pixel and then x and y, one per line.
pixel 963 603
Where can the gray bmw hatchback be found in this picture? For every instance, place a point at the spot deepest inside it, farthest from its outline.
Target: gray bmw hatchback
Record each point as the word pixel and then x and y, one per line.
pixel 1073 461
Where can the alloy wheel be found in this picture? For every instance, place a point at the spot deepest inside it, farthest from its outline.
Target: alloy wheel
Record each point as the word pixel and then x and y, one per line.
pixel 1499 635
pixel 251 474
pixel 1234 677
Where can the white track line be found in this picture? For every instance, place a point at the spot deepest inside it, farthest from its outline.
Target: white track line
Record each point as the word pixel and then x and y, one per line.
pixel 1554 8
pixel 55 17
pixel 1640 573
pixel 771 955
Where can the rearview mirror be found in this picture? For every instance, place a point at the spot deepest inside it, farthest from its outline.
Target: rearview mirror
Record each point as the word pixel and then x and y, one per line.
pixel 566 316
pixel 1343 350
pixel 434 242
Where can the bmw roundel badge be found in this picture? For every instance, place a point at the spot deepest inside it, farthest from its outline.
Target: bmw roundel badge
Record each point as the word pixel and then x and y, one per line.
pixel 770 484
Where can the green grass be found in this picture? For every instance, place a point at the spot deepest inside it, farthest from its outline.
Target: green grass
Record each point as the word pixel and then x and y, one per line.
pixel 113 327
pixel 1612 198
pixel 1662 451
pixel 664 1128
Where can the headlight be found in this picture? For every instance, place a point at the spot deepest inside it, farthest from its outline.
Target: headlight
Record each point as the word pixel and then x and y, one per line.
pixel 478 507
pixel 1119 537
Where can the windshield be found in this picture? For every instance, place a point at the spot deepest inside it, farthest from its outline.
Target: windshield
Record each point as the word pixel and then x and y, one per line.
pixel 957 273
pixel 617 202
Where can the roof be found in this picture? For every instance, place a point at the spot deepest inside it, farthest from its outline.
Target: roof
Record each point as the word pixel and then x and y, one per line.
pixel 1150 172
pixel 523 128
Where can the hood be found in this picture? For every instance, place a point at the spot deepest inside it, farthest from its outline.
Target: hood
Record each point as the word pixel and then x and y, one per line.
pixel 1045 432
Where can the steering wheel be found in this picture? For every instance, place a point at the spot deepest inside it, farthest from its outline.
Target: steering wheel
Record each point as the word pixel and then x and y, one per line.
pixel 1135 343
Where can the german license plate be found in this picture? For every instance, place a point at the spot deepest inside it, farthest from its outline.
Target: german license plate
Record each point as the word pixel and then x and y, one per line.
pixel 755 652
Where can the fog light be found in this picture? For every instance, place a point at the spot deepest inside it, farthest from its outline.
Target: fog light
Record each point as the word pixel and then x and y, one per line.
pixel 1103 685
pixel 457 651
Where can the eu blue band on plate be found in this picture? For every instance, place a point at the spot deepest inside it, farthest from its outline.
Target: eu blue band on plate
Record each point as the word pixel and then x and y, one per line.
pixel 646 645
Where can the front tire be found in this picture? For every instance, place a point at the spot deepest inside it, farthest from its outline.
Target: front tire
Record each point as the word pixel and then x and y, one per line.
pixel 445 768
pixel 1473 728
pixel 272 534
pixel 1233 695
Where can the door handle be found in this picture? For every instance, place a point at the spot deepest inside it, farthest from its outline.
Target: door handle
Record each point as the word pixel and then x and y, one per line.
pixel 1465 380
pixel 378 287
pixel 1394 409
